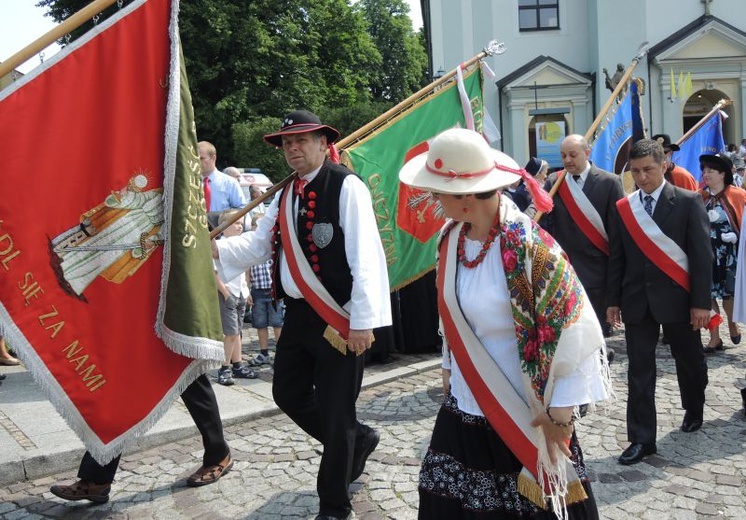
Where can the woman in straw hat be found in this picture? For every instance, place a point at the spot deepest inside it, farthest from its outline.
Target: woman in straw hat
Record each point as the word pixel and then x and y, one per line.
pixel 523 347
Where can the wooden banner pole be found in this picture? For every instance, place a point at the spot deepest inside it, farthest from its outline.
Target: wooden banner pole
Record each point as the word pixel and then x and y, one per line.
pixel 55 34
pixel 641 52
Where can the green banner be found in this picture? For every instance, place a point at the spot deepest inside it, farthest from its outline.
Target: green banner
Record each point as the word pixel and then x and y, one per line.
pixel 191 313
pixel 408 219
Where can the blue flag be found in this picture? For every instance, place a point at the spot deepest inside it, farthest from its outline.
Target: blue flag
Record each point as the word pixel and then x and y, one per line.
pixel 610 150
pixel 707 139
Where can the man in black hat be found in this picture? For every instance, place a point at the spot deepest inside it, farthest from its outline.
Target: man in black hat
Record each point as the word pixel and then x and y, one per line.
pixel 675 174
pixel 330 267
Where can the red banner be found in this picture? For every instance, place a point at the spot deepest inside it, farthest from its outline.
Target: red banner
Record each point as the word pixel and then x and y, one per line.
pixel 83 222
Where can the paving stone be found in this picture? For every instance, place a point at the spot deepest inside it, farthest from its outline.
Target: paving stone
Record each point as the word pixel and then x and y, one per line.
pixel 693 475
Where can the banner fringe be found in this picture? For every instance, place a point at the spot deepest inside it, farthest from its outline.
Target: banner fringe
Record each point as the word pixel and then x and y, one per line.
pixel 188 346
pixel 103 453
pixel 413 278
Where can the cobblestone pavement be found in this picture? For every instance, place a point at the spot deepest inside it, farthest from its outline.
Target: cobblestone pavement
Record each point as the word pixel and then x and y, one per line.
pixel 697 475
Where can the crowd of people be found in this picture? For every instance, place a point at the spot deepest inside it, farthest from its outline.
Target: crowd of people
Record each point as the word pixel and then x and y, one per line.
pixel 534 269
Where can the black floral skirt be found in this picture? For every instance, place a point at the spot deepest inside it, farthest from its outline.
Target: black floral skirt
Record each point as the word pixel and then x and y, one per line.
pixel 469 472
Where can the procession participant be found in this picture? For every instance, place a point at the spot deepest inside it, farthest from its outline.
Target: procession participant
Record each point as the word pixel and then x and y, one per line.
pixel 584 219
pixel 523 347
pixel 675 174
pixel 330 267
pixel 724 204
pixel 659 275
pixel 96 479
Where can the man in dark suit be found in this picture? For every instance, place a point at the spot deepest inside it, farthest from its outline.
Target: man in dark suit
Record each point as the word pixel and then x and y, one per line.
pixel 600 191
pixel 660 272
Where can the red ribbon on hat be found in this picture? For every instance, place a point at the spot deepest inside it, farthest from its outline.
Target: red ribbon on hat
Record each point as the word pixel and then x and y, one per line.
pixel 542 200
pixel 456 175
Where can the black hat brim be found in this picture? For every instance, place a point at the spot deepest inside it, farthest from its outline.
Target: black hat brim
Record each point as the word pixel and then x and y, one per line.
pixel 275 139
pixel 725 165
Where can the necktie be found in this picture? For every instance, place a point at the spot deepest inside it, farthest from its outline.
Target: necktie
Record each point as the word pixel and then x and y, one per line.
pixel 576 178
pixel 208 192
pixel 298 186
pixel 648 204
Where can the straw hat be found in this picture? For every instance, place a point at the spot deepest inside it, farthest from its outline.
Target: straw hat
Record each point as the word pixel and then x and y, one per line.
pixel 460 162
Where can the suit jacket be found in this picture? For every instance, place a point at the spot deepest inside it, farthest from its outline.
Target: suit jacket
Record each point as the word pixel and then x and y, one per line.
pixel 603 189
pixel 635 283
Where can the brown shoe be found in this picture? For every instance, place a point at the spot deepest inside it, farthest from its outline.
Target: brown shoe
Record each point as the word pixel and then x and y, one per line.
pixel 83 490
pixel 210 474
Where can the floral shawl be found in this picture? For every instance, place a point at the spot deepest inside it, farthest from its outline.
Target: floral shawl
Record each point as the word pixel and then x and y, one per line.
pixel 556 330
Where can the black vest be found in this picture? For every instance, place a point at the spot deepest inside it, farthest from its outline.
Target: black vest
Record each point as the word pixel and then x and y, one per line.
pixel 319 233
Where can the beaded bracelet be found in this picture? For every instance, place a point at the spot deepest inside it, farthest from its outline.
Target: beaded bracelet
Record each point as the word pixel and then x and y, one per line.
pixel 561 424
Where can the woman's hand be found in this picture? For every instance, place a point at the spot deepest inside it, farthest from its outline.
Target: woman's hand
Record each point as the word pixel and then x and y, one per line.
pixel 557 437
pixel 446 381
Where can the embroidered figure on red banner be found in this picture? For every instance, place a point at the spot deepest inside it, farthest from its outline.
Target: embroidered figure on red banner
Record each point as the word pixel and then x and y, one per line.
pixel 112 240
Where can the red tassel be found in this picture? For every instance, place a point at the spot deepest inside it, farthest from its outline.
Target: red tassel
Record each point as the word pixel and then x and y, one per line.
pixel 334 154
pixel 715 320
pixel 542 200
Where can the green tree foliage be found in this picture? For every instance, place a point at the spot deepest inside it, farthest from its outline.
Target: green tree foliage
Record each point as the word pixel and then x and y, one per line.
pixel 251 61
pixel 404 66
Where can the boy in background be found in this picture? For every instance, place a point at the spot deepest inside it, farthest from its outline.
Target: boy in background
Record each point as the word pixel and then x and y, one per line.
pixel 232 295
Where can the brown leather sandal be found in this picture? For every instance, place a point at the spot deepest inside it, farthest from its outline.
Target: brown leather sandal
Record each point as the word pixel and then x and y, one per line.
pixel 83 490
pixel 210 474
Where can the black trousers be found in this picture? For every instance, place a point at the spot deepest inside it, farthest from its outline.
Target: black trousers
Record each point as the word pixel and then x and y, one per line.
pixel 691 373
pixel 200 400
pixel 317 386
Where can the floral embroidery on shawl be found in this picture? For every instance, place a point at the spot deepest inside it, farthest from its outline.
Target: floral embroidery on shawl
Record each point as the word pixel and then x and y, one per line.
pixel 543 306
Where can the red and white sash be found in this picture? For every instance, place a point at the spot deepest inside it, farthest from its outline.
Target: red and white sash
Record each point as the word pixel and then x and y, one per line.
pixel 584 214
pixel 654 244
pixel 310 287
pixel 508 413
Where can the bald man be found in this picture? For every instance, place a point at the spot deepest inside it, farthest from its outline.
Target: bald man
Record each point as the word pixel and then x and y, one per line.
pixel 583 216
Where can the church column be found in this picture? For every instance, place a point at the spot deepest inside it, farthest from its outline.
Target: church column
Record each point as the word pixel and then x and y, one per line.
pixel 518 129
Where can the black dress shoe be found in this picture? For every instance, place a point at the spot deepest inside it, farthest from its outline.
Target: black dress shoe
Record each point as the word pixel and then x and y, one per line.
pixel 736 339
pixel 363 449
pixel 350 516
pixel 711 350
pixel 636 452
pixel 692 422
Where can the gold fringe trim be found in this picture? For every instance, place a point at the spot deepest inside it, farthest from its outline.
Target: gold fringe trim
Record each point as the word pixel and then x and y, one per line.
pixel 335 340
pixel 575 492
pixel 528 488
pixel 531 490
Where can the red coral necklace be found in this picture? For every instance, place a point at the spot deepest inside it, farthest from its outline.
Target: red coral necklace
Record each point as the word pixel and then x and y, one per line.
pixel 494 230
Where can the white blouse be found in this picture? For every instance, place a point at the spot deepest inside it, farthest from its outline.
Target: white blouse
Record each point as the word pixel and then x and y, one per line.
pixel 484 298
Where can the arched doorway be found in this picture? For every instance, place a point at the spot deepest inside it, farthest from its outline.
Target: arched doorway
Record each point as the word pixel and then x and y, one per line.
pixel 545 133
pixel 700 103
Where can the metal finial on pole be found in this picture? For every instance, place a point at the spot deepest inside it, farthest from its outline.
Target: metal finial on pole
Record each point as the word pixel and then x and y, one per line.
pixel 641 52
pixel 494 47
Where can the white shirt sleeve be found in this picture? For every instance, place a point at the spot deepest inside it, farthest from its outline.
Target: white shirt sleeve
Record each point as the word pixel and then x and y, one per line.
pixel 238 254
pixel 370 303
pixel 583 386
